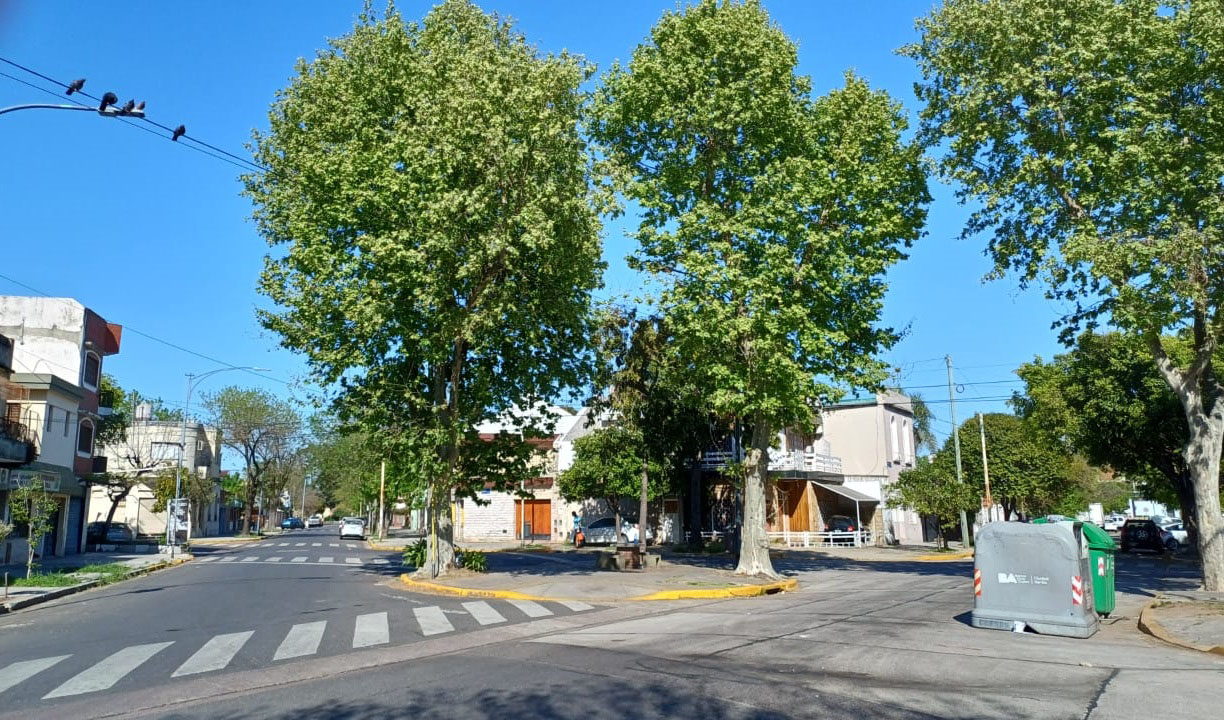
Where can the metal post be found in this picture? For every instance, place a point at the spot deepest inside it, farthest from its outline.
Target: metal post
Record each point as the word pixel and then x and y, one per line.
pixel 986 471
pixel 858 525
pixel 172 527
pixel 382 491
pixel 964 521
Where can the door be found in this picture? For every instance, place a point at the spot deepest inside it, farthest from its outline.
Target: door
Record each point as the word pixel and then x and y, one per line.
pixel 535 513
pixel 797 506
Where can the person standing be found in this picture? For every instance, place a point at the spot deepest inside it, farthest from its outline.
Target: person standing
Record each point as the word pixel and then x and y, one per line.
pixel 578 536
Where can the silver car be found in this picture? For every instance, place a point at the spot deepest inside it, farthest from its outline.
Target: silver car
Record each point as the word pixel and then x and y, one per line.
pixel 603 531
pixel 351 527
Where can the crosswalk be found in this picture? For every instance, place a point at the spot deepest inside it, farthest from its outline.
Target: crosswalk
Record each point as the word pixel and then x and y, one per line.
pixel 319 560
pixel 251 648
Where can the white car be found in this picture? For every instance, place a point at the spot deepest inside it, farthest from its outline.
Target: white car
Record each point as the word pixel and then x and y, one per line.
pixel 1178 531
pixel 1113 523
pixel 603 531
pixel 351 527
pixel 314 521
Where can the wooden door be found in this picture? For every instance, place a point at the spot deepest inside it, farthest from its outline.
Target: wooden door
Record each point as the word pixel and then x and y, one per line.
pixel 797 506
pixel 537 514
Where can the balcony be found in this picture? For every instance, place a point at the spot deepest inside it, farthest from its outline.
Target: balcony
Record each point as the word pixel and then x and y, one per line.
pixel 16 444
pixel 779 461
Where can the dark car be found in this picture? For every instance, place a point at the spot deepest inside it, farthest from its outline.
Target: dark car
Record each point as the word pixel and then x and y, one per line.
pixel 98 533
pixel 1145 534
pixel 293 523
pixel 841 524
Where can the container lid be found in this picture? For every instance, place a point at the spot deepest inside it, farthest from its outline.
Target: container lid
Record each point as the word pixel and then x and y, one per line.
pixel 1097 538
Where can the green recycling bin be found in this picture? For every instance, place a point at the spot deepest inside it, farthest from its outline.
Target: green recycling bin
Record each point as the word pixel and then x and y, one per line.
pixel 1101 551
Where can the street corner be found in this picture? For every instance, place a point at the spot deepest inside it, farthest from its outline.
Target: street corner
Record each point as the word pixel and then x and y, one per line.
pixel 437 588
pixel 1193 624
pixel 945 557
pixel 726 591
pixel 599 589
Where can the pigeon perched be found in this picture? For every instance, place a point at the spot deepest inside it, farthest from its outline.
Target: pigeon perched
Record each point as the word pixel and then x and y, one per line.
pixel 179 132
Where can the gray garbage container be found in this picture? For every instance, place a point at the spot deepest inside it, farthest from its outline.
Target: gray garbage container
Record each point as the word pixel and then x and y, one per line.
pixel 1037 575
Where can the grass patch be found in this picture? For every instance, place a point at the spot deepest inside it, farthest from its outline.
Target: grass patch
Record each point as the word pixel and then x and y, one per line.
pixel 103 572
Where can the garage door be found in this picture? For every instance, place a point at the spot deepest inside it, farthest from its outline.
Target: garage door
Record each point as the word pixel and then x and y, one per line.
pixel 535 513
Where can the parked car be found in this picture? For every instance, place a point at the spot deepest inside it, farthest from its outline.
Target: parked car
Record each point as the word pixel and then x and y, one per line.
pixel 314 521
pixel 603 531
pixel 351 527
pixel 293 523
pixel 1178 531
pixel 841 524
pixel 1145 534
pixel 98 532
pixel 1113 523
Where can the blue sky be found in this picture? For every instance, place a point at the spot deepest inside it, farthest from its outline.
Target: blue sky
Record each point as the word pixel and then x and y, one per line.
pixel 157 238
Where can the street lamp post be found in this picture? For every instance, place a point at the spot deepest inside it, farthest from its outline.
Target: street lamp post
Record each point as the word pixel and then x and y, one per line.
pixel 192 380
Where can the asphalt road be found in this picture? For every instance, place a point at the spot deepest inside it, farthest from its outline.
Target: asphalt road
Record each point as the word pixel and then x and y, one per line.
pixel 306 594
pixel 861 640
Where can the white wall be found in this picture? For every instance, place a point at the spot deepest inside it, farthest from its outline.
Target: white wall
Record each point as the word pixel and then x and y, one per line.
pixel 47 334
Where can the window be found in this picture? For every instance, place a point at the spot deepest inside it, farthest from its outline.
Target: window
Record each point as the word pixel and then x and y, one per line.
pixel 93 368
pixel 85 438
pixel 48 417
pixel 67 416
pixel 907 452
pixel 896 440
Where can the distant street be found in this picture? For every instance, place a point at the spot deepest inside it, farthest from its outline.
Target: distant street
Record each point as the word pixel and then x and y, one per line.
pixel 228 637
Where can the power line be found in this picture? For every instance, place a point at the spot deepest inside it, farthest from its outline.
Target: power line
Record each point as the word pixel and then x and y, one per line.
pixel 156 339
pixel 230 157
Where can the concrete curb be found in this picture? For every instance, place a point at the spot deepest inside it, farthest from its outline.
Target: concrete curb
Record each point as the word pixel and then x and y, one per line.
pixel 1149 625
pixel 58 593
pixel 945 557
pixel 231 541
pixel 732 591
pixel 384 548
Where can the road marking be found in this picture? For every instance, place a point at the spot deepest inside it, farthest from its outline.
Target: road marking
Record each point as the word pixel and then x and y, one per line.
pixel 575 605
pixel 379 561
pixel 483 612
pixel 326 559
pixel 333 544
pixel 228 558
pixel 303 639
pixel 275 558
pixel 215 654
pixel 250 558
pixel 299 558
pixel 351 546
pixel 432 620
pixel 316 544
pixel 299 544
pixel 531 609
pixel 109 671
pixel 353 561
pixel 19 671
pixel 207 559
pixel 370 630
pixel 283 545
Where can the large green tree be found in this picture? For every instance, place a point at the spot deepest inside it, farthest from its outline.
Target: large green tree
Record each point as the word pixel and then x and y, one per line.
pixel 768 220
pixel 436 233
pixel 608 465
pixel 1087 134
pixel 1028 474
pixel 930 489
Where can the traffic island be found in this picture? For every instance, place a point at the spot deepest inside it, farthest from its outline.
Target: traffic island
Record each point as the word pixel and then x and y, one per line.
pixel 571 577
pixel 79 580
pixel 1191 620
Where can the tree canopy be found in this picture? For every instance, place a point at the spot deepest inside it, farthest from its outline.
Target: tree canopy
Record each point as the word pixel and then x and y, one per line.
pixel 768 218
pixel 437 234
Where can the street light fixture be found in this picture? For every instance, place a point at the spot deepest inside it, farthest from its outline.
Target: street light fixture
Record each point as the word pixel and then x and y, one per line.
pixel 192 380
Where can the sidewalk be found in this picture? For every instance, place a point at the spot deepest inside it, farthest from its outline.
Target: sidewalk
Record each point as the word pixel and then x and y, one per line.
pixel 20 597
pixel 562 574
pixel 1190 619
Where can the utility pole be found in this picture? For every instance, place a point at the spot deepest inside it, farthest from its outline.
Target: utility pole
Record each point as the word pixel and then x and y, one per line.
pixel 986 471
pixel 382 491
pixel 964 521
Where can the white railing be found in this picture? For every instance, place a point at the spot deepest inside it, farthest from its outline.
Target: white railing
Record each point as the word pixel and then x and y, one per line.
pixel 792 538
pixel 782 461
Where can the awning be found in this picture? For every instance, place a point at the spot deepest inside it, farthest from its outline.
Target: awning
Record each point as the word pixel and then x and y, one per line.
pixel 846 492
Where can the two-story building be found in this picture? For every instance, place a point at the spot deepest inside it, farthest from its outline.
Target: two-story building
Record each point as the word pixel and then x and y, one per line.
pixel 151 448
pixel 58 349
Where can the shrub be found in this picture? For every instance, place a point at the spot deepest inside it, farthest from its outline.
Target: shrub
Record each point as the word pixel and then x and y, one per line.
pixel 715 547
pixel 474 560
pixel 414 554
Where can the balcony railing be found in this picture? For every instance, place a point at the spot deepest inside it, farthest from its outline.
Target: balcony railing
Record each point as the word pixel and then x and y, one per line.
pixel 800 460
pixel 16 443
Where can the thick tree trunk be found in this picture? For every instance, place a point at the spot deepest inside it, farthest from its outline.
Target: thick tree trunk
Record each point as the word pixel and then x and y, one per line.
pixel 439 535
pixel 1203 458
pixel 110 514
pixel 754 542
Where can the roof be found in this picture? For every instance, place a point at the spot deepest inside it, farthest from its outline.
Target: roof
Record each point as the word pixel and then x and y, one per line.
pixel 895 399
pixel 846 492
pixel 553 419
pixel 47 381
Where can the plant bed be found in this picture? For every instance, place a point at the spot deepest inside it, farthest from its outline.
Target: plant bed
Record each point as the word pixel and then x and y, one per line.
pixel 626 557
pixel 104 573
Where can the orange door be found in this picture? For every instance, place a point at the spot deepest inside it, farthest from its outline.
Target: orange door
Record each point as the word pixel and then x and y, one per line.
pixel 537 514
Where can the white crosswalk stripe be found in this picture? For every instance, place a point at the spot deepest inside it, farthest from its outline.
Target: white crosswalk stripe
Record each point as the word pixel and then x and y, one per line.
pixel 326 559
pixel 531 609
pixel 370 630
pixel 282 545
pixel 351 546
pixel 352 561
pixel 299 558
pixel 208 559
pixel 575 605
pixel 106 673
pixel 19 671
pixel 228 558
pixel 379 561
pixel 303 639
pixel 316 544
pixel 483 612
pixel 275 558
pixel 432 620
pixel 250 558
pixel 333 544
pixel 215 654
pixel 299 544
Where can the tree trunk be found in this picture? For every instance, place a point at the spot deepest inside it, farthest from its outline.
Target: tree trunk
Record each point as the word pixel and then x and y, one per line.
pixel 1203 459
pixel 695 500
pixel 248 505
pixel 642 510
pixel 754 542
pixel 110 514
pixel 440 553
